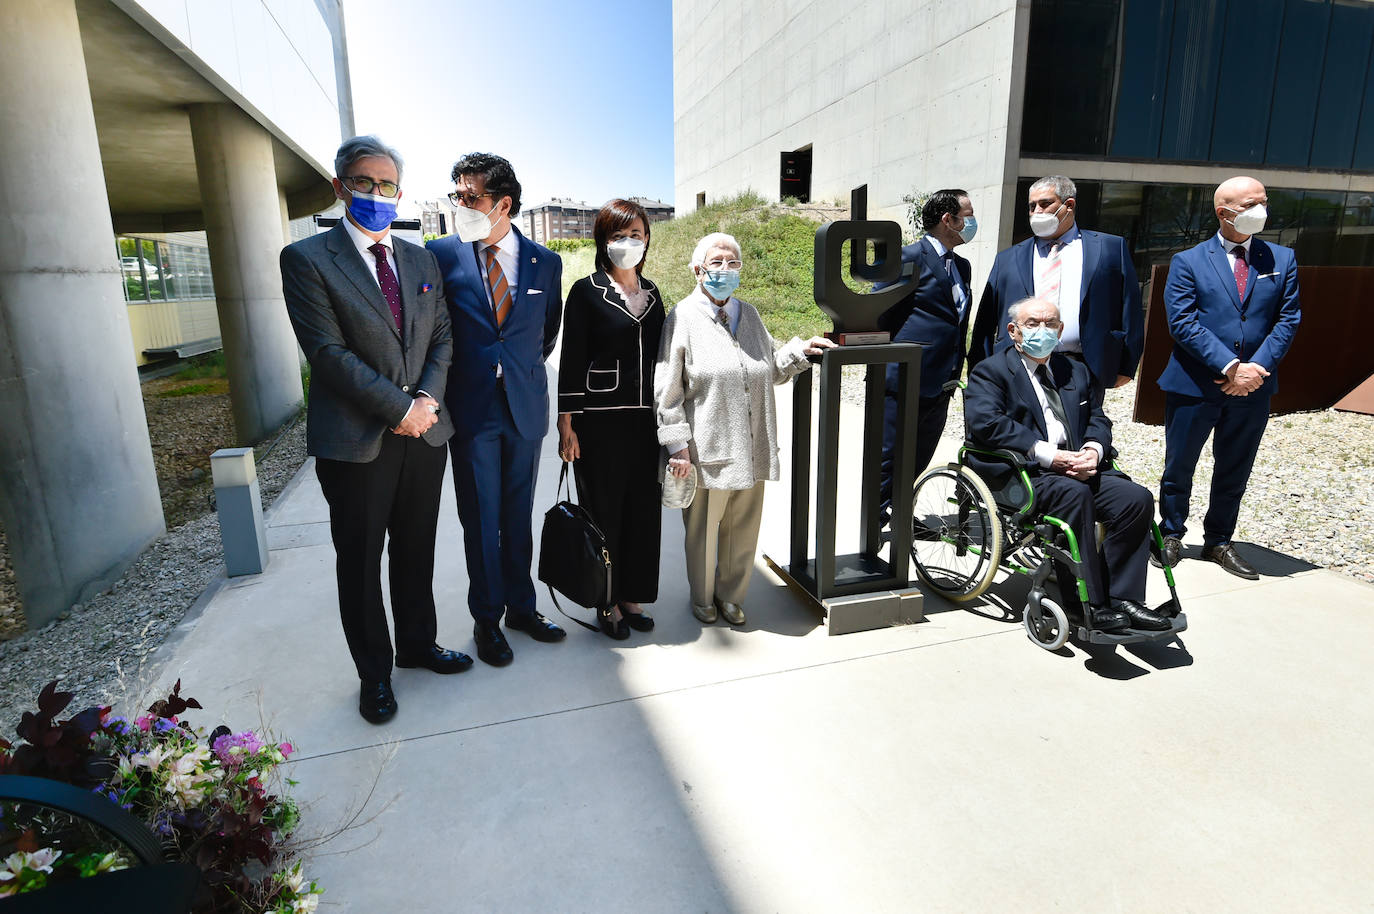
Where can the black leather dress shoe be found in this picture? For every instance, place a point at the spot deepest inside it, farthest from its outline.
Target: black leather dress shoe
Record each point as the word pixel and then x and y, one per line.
pixel 618 629
pixel 1108 620
pixel 640 621
pixel 436 659
pixel 1227 557
pixel 491 644
pixel 1173 548
pixel 537 627
pixel 376 702
pixel 1142 617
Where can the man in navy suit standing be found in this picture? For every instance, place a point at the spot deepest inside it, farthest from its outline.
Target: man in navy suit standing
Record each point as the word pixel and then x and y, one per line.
pixel 935 315
pixel 1088 274
pixel 1232 305
pixel 505 297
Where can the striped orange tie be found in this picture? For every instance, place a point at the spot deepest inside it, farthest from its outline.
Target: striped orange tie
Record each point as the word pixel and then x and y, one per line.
pixel 500 289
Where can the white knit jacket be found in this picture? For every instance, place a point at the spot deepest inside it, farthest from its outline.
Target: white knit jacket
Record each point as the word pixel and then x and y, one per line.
pixel 715 391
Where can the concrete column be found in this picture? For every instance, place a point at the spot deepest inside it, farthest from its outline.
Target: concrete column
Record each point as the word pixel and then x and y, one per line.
pixel 285 216
pixel 78 492
pixel 238 190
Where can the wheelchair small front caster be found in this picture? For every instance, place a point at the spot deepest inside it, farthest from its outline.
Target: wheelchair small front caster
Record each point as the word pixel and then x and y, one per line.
pixel 1046 625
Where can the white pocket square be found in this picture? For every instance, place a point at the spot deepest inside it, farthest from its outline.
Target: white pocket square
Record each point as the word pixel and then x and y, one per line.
pixel 1082 402
pixel 1267 275
pixel 535 292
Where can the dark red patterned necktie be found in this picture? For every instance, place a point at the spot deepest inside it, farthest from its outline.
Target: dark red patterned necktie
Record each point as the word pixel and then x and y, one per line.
pixel 1242 270
pixel 387 280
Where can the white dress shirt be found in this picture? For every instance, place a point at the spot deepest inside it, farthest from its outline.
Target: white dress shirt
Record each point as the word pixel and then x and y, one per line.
pixel 960 293
pixel 362 242
pixel 1070 283
pixel 1043 451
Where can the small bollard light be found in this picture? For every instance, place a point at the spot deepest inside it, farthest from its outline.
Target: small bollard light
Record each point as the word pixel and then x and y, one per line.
pixel 239 506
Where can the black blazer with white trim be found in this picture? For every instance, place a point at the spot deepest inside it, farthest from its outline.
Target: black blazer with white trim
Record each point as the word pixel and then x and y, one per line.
pixel 608 356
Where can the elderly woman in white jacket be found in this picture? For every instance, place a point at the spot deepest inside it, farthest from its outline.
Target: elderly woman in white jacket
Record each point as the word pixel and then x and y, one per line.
pixel 713 389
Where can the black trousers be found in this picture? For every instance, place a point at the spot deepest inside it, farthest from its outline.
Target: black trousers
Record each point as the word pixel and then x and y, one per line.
pixel 1125 508
pixel 931 413
pixel 395 496
pixel 617 481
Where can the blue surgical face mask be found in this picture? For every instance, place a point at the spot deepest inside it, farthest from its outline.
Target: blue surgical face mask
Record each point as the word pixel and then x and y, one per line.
pixel 720 284
pixel 371 211
pixel 1040 342
pixel 969 230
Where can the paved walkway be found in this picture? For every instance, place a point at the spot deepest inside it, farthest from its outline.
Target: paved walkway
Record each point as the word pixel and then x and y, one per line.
pixel 945 766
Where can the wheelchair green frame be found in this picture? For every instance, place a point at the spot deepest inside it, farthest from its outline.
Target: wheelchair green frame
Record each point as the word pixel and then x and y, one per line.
pixel 991 533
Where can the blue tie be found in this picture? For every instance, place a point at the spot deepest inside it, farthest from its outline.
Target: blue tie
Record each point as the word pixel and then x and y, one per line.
pixel 955 281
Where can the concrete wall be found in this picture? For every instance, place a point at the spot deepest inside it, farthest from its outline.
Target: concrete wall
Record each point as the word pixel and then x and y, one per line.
pixel 274 57
pixel 902 95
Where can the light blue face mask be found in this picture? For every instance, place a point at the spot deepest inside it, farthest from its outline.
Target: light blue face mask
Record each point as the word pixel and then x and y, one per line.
pixel 371 211
pixel 1040 342
pixel 969 230
pixel 720 284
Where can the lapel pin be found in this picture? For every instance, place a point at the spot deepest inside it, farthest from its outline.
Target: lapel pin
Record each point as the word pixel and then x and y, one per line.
pixel 425 287
pixel 534 260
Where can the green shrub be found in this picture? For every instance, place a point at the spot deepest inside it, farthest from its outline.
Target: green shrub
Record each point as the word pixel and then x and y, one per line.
pixel 560 245
pixel 209 365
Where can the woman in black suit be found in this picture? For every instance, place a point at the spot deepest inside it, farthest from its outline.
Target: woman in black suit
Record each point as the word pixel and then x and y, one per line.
pixel 611 326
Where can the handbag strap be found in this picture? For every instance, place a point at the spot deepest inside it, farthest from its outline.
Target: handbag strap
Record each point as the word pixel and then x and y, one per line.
pixel 553 596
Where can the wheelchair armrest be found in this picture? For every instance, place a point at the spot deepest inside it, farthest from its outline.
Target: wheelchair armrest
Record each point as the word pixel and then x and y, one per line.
pixel 1013 460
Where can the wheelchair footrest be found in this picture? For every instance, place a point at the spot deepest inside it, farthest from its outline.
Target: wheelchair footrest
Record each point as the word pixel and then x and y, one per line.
pixel 1131 635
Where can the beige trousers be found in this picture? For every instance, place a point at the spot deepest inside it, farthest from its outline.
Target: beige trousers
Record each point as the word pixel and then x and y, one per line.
pixel 722 536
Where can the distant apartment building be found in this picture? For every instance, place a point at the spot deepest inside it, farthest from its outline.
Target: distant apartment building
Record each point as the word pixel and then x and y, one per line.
pixel 562 218
pixel 436 217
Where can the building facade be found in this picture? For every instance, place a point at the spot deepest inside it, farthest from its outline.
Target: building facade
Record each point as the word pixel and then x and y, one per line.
pixel 1141 102
pixel 153 155
pixel 561 218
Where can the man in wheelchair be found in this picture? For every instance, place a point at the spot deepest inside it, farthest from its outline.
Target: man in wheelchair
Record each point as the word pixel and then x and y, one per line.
pixel 1042 405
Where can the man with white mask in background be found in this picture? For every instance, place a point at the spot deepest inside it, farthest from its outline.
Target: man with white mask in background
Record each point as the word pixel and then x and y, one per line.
pixel 1088 275
pixel 1232 306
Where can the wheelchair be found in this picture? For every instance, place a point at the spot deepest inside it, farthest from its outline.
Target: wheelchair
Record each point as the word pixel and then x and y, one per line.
pixel 964 533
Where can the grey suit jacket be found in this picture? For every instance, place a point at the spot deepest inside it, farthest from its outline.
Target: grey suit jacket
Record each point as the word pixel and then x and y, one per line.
pixel 363 372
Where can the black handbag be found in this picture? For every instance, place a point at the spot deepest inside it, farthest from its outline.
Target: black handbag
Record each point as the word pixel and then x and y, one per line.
pixel 573 558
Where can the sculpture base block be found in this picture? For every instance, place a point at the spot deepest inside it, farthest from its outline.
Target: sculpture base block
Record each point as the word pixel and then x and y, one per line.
pixel 859 612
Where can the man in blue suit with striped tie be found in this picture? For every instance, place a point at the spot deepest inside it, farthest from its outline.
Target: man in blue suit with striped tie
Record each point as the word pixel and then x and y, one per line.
pixel 1232 306
pixel 505 298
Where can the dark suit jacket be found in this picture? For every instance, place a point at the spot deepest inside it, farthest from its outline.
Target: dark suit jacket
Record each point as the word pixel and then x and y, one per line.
pixel 1111 324
pixel 1002 411
pixel 520 345
pixel 1211 324
pixel 930 317
pixel 363 372
pixel 608 356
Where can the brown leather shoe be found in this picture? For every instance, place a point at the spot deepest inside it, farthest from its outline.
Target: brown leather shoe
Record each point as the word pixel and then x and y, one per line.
pixel 1226 556
pixel 1173 548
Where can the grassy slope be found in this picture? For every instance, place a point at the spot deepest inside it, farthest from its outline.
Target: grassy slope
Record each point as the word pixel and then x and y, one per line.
pixel 777 248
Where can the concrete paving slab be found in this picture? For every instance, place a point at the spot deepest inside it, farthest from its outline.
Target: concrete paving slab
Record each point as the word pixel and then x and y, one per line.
pixel 945 766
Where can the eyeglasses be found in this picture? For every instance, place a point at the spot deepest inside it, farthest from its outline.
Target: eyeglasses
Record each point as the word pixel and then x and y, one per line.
pixel 467 200
pixel 1032 323
pixel 365 185
pixel 715 265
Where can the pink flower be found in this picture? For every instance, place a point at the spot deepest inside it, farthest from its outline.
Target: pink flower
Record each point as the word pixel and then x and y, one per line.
pixel 144 723
pixel 286 749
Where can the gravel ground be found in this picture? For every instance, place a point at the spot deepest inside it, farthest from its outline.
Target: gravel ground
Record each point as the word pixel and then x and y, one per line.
pixel 99 649
pixel 1309 494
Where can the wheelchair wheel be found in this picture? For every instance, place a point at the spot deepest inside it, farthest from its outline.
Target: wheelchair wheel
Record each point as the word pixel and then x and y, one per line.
pixel 1049 628
pixel 956 534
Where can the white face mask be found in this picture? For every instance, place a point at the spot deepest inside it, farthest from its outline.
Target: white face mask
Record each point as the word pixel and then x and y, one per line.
pixel 1045 224
pixel 1250 221
pixel 625 253
pixel 471 224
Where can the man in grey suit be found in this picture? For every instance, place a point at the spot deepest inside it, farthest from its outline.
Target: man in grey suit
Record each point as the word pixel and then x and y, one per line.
pixel 369 312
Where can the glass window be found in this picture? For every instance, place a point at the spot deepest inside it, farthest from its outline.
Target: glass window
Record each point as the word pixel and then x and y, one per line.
pixel 1239 130
pixel 1296 82
pixel 1343 78
pixel 1143 77
pixel 1070 76
pixel 135 290
pixel 151 271
pixel 1190 98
